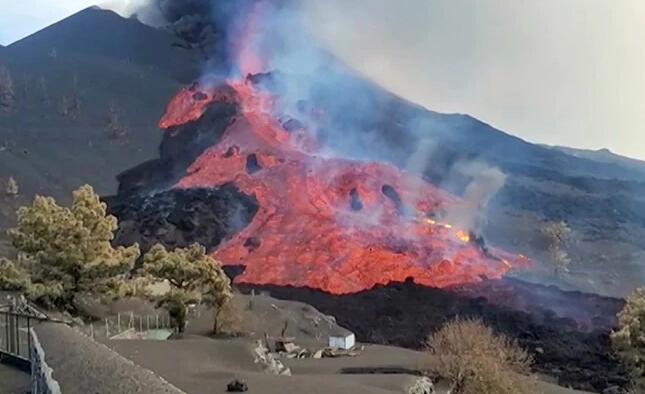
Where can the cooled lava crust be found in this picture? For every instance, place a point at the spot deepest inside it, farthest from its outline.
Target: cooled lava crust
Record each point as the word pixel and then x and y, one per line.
pixel 322 222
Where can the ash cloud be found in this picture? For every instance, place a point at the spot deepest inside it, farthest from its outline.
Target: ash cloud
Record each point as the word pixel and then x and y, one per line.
pixel 360 121
pixel 203 25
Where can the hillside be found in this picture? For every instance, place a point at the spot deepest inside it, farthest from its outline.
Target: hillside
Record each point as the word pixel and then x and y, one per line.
pixel 603 155
pixel 89 90
pixel 87 94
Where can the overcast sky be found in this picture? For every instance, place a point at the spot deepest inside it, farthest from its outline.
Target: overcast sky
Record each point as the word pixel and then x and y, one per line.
pixel 569 72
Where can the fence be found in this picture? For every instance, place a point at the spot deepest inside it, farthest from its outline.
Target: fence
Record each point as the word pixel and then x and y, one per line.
pixel 122 322
pixel 15 338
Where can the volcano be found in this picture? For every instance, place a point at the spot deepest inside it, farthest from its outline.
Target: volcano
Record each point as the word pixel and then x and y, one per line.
pixel 324 222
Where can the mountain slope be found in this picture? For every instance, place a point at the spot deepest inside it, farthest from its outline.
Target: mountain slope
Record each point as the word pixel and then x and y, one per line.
pixel 88 92
pixel 604 156
pixel 90 89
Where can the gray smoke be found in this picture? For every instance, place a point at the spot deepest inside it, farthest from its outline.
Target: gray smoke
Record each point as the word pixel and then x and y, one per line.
pixel 486 181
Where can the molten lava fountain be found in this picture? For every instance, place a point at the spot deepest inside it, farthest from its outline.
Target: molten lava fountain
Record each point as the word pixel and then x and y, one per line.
pixel 333 224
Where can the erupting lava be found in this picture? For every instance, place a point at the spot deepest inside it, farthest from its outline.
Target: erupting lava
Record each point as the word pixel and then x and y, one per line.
pixel 333 224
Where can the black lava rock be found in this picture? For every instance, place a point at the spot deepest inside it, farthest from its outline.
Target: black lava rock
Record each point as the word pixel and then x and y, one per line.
pixel 237 386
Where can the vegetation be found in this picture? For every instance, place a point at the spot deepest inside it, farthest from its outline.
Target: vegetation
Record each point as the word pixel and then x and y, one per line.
pixel 64 252
pixel 115 127
pixel 194 278
pixel 558 235
pixel 7 93
pixel 477 361
pixel 11 189
pixel 629 339
pixel 12 278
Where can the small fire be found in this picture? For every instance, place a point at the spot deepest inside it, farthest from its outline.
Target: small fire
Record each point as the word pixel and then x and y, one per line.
pixel 462 236
pixel 435 223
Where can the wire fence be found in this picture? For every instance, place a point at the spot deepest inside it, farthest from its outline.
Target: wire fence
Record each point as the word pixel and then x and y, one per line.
pixel 121 323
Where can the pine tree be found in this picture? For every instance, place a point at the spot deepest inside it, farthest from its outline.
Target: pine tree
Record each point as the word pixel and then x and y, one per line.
pixel 193 276
pixel 12 277
pixel 629 338
pixel 67 251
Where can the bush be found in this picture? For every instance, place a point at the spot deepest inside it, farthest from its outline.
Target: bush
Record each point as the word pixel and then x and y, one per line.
pixel 228 319
pixel 12 278
pixel 7 94
pixel 476 360
pixel 629 339
pixel 67 251
pixel 193 276
pixel 558 236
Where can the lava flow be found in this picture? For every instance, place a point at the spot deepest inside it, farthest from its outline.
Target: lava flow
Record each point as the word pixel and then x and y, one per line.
pixel 333 224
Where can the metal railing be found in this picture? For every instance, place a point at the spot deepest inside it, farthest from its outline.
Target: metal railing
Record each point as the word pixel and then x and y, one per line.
pixel 15 338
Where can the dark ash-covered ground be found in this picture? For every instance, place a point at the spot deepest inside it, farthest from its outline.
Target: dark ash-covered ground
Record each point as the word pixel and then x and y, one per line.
pixel 403 314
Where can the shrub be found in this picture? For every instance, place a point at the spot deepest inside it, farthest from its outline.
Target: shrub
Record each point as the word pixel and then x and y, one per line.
pixel 7 94
pixel 476 360
pixel 67 251
pixel 629 338
pixel 228 319
pixel 558 235
pixel 193 276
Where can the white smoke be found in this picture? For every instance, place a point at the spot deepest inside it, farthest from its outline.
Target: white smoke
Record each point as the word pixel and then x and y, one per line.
pixel 145 10
pixel 486 182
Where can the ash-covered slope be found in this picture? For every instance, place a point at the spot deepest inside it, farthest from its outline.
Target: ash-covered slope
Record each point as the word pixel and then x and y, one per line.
pixel 87 93
pixel 571 345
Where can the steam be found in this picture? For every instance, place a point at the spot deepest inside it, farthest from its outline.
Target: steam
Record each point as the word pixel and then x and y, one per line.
pixel 486 182
pixel 141 9
pixel 240 37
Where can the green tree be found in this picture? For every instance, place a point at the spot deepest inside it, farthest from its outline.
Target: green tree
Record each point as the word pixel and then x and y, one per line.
pixel 194 278
pixel 629 339
pixel 12 277
pixel 67 251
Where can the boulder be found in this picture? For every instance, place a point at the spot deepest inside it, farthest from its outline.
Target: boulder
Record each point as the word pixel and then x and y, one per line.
pixel 237 386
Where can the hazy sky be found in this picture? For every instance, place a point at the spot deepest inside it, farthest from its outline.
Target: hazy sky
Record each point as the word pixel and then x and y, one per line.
pixel 569 72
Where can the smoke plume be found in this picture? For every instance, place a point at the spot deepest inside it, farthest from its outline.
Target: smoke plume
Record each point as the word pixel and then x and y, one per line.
pixel 485 182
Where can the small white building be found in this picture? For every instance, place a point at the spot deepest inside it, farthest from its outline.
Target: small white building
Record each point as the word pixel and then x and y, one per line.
pixel 342 340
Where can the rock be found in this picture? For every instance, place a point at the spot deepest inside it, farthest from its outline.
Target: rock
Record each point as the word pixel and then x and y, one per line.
pixel 422 385
pixel 318 354
pixel 237 386
pixel 270 364
pixel 286 346
pixel 614 390
pixel 290 347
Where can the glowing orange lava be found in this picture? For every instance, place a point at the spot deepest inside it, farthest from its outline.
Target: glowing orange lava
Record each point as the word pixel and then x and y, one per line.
pixel 327 223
